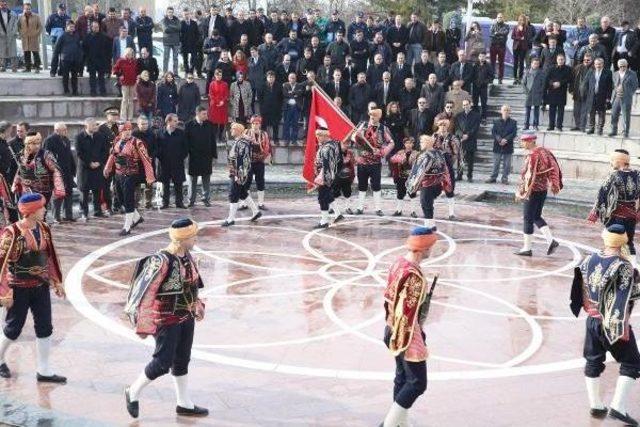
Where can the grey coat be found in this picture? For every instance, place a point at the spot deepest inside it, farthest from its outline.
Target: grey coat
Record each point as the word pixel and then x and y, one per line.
pixel 171 31
pixel 533 85
pixel 257 73
pixel 629 86
pixel 8 47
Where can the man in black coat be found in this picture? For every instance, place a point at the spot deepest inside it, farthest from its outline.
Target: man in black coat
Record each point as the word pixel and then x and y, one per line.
pixel 359 97
pixel 467 125
pixel 400 70
pixel 385 92
pixel 97 54
pixel 172 151
pixel 17 142
pixel 376 70
pixel 338 87
pixel 558 81
pixel 408 96
pixel 270 100
pixel 189 41
pixel 504 132
pixel 215 22
pixel 8 163
pixel 599 86
pixel 148 63
pixel 67 55
pixel 483 76
pixel 422 68
pixel 144 29
pixel 463 71
pixel 59 145
pixel 420 120
pixel 110 129
pixel 201 144
pixel 91 149
pixel 360 51
pixel 397 36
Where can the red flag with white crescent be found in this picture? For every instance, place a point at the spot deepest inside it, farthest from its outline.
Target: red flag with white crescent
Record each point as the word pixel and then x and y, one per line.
pixel 322 114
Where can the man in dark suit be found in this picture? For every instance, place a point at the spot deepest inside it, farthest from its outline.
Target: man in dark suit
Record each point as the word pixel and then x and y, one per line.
pixel 172 150
pixel 422 68
pixel 292 93
pixel 215 21
pixel 558 80
pixel 201 142
pixel 270 100
pixel 284 69
pixel 125 40
pixel 463 71
pixel 599 86
pixel 375 70
pixel 338 87
pixel 420 120
pixel 385 92
pixel 408 96
pixel 397 36
pixel 91 148
pixel 359 97
pixel 350 71
pixel 59 145
pixel 400 70
pixel 467 125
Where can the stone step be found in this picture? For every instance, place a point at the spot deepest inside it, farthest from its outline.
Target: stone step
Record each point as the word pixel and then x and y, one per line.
pixel 33 109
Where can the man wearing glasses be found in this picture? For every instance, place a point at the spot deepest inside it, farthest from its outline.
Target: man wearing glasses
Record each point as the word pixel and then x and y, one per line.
pixel 625 84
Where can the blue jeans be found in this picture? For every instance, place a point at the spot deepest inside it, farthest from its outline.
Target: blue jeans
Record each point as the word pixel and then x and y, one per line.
pixel 527 115
pixel 506 166
pixel 414 51
pixel 291 113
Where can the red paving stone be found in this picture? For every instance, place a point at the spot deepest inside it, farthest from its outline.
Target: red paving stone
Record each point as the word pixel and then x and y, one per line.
pixel 293 325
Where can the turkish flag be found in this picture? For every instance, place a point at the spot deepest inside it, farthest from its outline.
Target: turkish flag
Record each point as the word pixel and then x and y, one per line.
pixel 323 113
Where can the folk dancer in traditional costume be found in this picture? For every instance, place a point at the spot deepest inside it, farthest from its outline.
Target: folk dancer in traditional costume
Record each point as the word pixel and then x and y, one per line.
pixel 239 161
pixel 344 180
pixel 128 156
pixel 401 164
pixel 29 268
pixel 261 152
pixel 163 302
pixel 328 164
pixel 619 198
pixel 605 286
pixel 406 305
pixel 373 140
pixel 540 171
pixel 38 171
pixel 447 142
pixel 7 205
pixel 430 176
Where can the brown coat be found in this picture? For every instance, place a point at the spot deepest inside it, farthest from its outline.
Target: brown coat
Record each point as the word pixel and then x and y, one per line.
pixel 30 32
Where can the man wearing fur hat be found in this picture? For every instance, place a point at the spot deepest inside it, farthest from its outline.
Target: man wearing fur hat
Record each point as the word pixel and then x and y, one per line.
pixel 374 141
pixel 29 269
pixel 128 156
pixel 406 305
pixel 163 302
pixel 605 287
pixel 328 163
pixel 540 172
pixel 619 198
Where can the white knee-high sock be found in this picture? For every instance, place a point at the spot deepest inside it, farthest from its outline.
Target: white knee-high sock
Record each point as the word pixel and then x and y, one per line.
pixel 377 200
pixel 135 216
pixel 43 349
pixel 399 204
pixel 396 417
pixel 137 386
pixel 347 202
pixel 526 244
pixel 182 393
pixel 593 392
pixel 252 205
pixel 361 197
pixel 324 217
pixel 623 387
pixel 546 232
pixel 4 346
pixel 451 203
pixel 430 222
pixel 233 210
pixel 336 208
pixel 260 198
pixel 128 221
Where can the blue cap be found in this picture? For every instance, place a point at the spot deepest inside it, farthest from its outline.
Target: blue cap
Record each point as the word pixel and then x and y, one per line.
pixel 423 231
pixel 181 223
pixel 30 197
pixel 616 229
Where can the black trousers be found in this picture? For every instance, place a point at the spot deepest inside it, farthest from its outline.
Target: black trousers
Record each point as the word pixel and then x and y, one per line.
pixel 368 173
pixel 126 191
pixel 173 350
pixel 427 196
pixel 257 170
pixel 237 191
pixel 84 202
pixel 482 94
pixel 518 63
pixel 69 69
pixel 325 197
pixel 38 300
pixel 97 82
pixel 166 192
pixel 410 381
pixel 36 60
pixel 401 187
pixel 67 201
pixel 556 116
pixel 274 124
pixel 452 174
pixel 630 227
pixel 342 187
pixel 532 211
pixel 469 157
pixel 596 347
pixel 592 118
pixel 189 61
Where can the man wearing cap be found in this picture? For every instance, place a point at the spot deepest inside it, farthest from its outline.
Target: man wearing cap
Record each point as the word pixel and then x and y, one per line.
pixel 239 161
pixel 38 171
pixel 163 302
pixel 127 156
pixel 327 165
pixel 374 141
pixel 619 198
pixel 261 152
pixel 448 143
pixel 540 171
pixel 402 163
pixel 29 269
pixel 605 287
pixel 406 303
pixel 56 23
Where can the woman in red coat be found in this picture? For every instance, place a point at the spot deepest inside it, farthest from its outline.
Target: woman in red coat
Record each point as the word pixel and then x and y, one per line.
pixel 218 102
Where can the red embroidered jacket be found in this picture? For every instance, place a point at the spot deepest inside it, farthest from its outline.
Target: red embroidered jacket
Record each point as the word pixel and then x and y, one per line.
pixel 540 171
pixel 373 141
pixel 260 146
pixel 126 156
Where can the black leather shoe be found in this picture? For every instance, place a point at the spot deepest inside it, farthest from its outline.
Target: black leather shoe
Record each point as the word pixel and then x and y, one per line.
pixel 552 247
pixel 625 418
pixel 4 371
pixel 138 222
pixel 414 215
pixel 255 217
pixel 180 206
pixel 133 408
pixel 524 253
pixel 590 132
pixel 207 203
pixel 227 223
pixel 397 213
pixel 195 412
pixel 191 204
pixel 338 218
pixel 331 211
pixel 359 211
pixel 612 134
pixel 243 208
pixel 379 213
pixel 490 181
pixel 56 379
pixel 598 413
pixel 349 211
pixel 164 206
pixel 320 226
pixel 124 232
pixel 263 208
